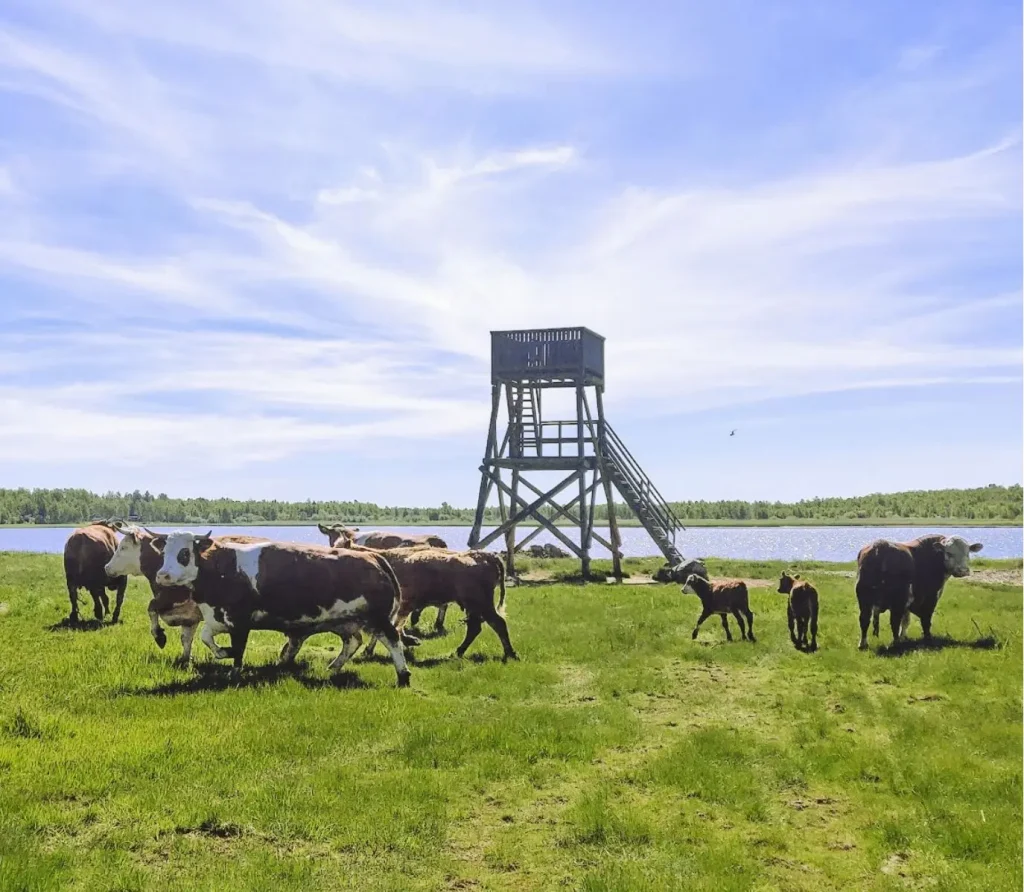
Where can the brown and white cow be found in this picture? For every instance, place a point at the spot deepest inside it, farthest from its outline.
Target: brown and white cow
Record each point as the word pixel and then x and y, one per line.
pixel 937 558
pixel 85 554
pixel 885 581
pixel 136 555
pixel 287 587
pixel 338 535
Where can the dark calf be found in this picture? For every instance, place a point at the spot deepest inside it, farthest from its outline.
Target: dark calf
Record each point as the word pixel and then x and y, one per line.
pixel 802 610
pixel 85 554
pixel 722 598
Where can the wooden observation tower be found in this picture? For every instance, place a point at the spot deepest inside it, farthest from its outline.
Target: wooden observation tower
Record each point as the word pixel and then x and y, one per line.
pixel 581 449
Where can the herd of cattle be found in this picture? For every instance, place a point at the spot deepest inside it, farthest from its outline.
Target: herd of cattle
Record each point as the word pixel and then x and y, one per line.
pixel 376 582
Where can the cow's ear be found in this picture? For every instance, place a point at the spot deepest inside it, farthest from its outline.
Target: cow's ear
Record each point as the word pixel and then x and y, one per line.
pixel 203 542
pixel 976 546
pixel 322 529
pixel 158 542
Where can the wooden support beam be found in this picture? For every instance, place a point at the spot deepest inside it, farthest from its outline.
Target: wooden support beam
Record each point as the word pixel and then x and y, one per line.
pixel 530 510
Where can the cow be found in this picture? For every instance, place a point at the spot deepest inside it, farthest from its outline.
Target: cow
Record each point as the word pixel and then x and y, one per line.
pixel 345 537
pixel 86 552
pixel 721 598
pixel 936 559
pixel 136 555
pixel 801 610
pixel 885 581
pixel 287 587
pixel 378 539
pixel 436 577
pixel 547 550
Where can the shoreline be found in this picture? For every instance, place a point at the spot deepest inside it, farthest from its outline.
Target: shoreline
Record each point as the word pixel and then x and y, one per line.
pixel 912 522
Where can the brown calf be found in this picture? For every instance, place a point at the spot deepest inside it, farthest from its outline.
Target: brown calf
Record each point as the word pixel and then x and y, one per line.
pixel 85 554
pixel 801 611
pixel 722 598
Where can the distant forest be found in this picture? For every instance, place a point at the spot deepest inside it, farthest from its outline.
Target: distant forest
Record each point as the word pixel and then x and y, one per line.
pixel 67 506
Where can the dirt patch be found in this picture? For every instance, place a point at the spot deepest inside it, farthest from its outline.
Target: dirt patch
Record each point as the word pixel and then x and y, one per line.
pixel 997 577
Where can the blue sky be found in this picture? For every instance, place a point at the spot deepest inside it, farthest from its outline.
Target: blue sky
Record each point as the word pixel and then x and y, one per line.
pixel 254 248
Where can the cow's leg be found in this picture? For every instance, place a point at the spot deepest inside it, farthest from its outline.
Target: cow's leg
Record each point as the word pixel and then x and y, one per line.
pixel 473 626
pixel 352 641
pixel 904 623
pixel 389 634
pixel 207 638
pixel 792 625
pixel 500 627
pixel 866 611
pixel 239 639
pixel 725 625
pixel 926 625
pixel 188 634
pixel 750 624
pixel 98 597
pixel 159 635
pixel 290 649
pixel 122 584
pixel 814 628
pixel 73 598
pixel 700 621
pixel 439 622
pixel 739 621
pixel 875 612
pixel 895 623
pixel 414 618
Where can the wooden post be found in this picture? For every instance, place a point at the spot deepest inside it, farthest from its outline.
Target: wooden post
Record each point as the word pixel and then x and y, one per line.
pixel 609 493
pixel 584 530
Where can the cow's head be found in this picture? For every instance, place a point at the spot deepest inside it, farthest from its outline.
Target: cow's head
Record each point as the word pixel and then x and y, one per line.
pixel 338 535
pixel 956 554
pixel 181 557
pixel 127 559
pixel 786 583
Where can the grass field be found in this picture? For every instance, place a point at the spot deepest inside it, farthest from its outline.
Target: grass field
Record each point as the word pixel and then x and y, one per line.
pixel 618 754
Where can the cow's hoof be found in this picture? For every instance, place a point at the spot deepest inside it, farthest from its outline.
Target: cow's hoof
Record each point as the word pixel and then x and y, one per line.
pixel 403 679
pixel 751 639
pixel 410 640
pixel 440 631
pixel 862 646
pixel 161 639
pixel 511 655
pixel 694 635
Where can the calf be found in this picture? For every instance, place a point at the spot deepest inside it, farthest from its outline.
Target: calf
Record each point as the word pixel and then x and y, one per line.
pixel 434 577
pixel 937 558
pixel 345 537
pixel 287 587
pixel 722 598
pixel 85 553
pixel 801 610
pixel 885 581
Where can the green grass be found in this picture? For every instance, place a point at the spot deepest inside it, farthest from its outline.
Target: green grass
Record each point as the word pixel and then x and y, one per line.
pixel 617 755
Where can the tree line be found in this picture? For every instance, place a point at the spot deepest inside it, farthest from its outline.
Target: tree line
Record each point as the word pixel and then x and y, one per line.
pixel 67 506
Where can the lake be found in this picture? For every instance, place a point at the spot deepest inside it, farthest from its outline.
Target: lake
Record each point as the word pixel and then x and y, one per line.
pixel 749 543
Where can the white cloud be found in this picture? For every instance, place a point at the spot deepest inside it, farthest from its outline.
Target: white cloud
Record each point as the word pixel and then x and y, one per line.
pixel 357 255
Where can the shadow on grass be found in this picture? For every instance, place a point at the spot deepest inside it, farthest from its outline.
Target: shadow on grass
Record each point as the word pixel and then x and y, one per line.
pixel 82 625
pixel 937 642
pixel 217 677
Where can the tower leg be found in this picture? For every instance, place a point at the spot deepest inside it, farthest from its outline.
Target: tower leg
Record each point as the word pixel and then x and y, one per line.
pixel 609 493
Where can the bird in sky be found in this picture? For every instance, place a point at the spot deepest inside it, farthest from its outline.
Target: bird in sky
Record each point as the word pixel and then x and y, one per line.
pixel 732 433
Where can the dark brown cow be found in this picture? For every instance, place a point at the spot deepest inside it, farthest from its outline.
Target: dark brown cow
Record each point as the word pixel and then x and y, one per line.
pixel 936 559
pixel 136 555
pixel 85 554
pixel 286 587
pixel 434 577
pixel 801 611
pixel 885 581
pixel 341 536
pixel 722 598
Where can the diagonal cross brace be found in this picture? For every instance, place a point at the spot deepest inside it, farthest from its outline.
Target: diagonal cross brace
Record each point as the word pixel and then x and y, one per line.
pixel 531 510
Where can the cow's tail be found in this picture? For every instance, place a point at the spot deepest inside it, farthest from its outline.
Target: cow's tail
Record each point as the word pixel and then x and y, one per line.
pixel 499 565
pixel 389 571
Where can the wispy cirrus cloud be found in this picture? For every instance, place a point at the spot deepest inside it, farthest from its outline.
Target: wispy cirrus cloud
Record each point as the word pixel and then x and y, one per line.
pixel 293 225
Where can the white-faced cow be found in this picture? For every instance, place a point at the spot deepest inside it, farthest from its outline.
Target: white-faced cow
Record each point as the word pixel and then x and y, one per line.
pixel 137 555
pixel 85 553
pixel 338 535
pixel 295 589
pixel 937 558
